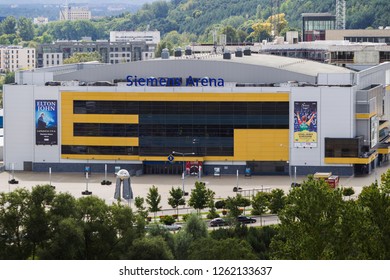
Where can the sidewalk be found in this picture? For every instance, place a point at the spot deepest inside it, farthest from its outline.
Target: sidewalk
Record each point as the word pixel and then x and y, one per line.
pixel 75 183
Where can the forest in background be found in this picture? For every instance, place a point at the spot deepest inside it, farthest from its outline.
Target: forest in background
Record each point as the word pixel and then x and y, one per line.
pixel 186 21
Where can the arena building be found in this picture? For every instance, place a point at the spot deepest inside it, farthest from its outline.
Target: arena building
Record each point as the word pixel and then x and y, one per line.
pixel 271 114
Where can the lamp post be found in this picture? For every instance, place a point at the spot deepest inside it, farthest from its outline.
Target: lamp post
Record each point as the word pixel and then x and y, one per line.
pixel 183 155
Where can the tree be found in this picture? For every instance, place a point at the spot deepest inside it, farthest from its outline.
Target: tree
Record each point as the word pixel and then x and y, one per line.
pixel 25 29
pixel 260 203
pixel 200 197
pixel 83 57
pixel 310 222
pixel 176 199
pixel 37 222
pixel 141 210
pixel 211 205
pixel 232 204
pixel 277 201
pixel 9 25
pixel 224 249
pixel 195 227
pixel 153 198
pixel 13 214
pixel 99 236
pixel 9 78
pixel 150 248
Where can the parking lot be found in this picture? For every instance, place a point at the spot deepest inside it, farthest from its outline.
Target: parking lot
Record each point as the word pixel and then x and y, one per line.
pixel 75 183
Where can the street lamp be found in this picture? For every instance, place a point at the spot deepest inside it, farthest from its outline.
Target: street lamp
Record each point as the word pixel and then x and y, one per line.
pixel 183 154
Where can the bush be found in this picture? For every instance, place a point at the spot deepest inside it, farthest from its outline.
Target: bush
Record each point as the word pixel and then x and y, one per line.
pixel 167 220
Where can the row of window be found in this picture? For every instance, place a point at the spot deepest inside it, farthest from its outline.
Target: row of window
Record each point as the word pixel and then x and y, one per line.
pixel 105 129
pixel 99 150
pixel 178 108
pixel 144 151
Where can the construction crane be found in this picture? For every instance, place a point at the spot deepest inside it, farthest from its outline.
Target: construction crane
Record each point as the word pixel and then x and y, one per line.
pixel 340 14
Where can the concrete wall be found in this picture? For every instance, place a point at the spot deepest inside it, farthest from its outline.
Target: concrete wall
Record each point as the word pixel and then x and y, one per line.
pixel 335 116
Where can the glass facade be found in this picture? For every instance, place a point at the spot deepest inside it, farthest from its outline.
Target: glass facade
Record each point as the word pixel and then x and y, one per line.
pixel 343 147
pixel 99 150
pixel 203 128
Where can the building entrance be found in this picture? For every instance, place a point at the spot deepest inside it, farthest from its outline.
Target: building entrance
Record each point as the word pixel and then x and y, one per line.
pixel 162 168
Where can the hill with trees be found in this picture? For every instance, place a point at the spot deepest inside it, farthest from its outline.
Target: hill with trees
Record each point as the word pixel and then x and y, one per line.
pixel 182 22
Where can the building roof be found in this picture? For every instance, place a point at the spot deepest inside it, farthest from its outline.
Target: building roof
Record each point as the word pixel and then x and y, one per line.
pixel 257 68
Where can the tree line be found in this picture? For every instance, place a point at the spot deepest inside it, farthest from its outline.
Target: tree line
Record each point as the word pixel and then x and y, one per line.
pixel 316 222
pixel 182 22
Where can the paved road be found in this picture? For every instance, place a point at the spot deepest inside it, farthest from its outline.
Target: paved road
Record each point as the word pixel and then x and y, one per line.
pixel 75 183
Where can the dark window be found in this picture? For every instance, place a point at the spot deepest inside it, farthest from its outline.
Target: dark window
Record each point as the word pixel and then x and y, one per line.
pixel 105 129
pixel 342 147
pixel 99 150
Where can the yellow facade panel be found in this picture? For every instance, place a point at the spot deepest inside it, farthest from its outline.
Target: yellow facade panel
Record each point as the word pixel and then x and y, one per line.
pixel 346 160
pixel 261 144
pixel 101 141
pixel 99 157
pixel 177 96
pixel 365 115
pixel 95 118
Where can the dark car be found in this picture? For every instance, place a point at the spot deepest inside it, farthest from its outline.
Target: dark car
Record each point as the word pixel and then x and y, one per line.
pixel 246 220
pixel 218 222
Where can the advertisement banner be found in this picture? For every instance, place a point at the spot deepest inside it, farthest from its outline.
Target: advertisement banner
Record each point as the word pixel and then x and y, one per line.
pixel 46 122
pixel 305 124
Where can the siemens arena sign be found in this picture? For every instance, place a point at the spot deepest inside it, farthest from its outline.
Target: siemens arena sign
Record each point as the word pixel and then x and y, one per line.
pixel 134 81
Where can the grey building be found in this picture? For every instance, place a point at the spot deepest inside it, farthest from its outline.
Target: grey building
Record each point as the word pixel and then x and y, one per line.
pixel 111 52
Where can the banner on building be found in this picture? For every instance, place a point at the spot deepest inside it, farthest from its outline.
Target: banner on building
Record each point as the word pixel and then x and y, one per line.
pixel 46 122
pixel 305 124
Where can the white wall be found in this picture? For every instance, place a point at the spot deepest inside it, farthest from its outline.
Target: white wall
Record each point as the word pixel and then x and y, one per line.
pixel 19 126
pixel 335 117
pixel 18 121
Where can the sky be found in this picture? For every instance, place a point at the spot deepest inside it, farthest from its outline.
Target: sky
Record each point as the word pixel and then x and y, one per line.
pixel 62 2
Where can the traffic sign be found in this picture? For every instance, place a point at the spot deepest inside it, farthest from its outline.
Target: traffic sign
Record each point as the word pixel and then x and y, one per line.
pixel 171 158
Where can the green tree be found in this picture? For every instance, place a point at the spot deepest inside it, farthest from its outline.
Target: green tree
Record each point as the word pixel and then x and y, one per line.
pixel 99 237
pixel 9 78
pixel 141 209
pixel 224 249
pixel 309 222
pixel 153 199
pixel 200 197
pixel 260 204
pixel 195 227
pixel 150 248
pixel 13 215
pixel 233 204
pixel 83 57
pixel 277 201
pixel 176 199
pixel 9 25
pixel 25 29
pixel 163 45
pixel 66 243
pixel 37 222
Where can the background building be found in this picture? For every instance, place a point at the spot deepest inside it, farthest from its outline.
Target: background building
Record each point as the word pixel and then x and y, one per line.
pixel 360 35
pixel 275 115
pixel 13 58
pixel 110 52
pixel 69 12
pixel 315 24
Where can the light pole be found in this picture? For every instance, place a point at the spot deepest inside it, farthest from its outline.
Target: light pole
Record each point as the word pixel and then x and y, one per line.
pixel 183 155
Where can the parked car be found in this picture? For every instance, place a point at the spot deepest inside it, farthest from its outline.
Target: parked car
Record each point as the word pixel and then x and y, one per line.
pixel 246 220
pixel 173 227
pixel 218 222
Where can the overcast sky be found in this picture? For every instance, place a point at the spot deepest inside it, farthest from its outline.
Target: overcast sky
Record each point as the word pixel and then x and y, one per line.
pixel 62 2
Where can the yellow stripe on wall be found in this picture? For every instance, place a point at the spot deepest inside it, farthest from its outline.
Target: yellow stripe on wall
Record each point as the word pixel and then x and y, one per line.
pixel 261 144
pixel 177 96
pixel 365 115
pixel 100 141
pixel 95 118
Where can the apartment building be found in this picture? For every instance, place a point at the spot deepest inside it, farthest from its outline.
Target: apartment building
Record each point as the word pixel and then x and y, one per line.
pixel 13 58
